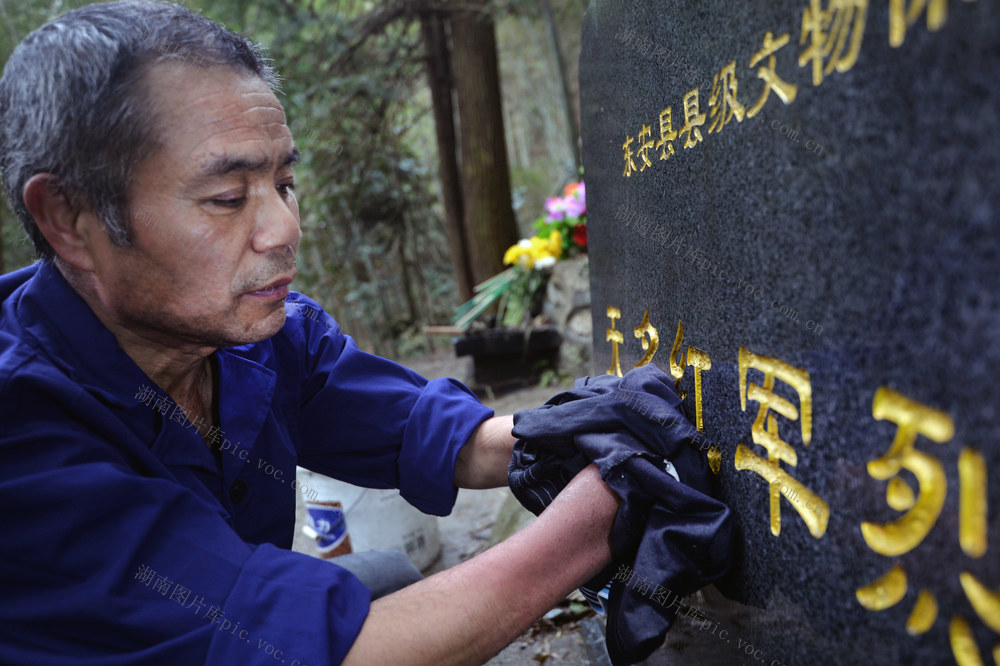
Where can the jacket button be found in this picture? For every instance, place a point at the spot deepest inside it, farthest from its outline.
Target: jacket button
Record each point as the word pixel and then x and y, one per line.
pixel 238 492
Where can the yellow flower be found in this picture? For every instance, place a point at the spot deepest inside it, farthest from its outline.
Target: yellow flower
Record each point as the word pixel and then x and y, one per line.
pixel 520 254
pixel 529 252
pixel 539 247
pixel 555 243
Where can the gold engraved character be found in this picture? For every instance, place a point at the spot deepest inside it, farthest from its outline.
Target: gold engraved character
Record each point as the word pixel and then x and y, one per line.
pixel 677 364
pixel 922 510
pixel 783 89
pixel 765 433
pixel 698 360
pixel 693 119
pixel 616 338
pixel 902 17
pixel 667 135
pixel 645 145
pixel 722 104
pixel 912 418
pixel 629 161
pixel 972 502
pixel 972 537
pixel 834 36
pixel 641 331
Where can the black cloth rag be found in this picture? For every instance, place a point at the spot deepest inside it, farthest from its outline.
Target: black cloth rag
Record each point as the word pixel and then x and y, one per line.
pixel 672 534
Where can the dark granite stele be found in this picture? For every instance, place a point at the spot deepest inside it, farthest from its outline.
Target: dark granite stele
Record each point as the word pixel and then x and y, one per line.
pixel 853 234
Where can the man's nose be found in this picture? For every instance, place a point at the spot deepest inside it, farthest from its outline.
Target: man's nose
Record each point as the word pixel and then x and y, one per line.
pixel 277 223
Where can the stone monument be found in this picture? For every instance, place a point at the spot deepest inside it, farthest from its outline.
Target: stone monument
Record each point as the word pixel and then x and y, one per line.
pixel 794 208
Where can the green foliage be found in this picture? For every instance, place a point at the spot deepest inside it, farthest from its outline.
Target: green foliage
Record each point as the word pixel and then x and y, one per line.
pixel 487 293
pixel 549 376
pixel 373 250
pixel 517 302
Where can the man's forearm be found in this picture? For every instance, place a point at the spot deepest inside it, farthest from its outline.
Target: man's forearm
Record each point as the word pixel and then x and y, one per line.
pixel 470 612
pixel 482 462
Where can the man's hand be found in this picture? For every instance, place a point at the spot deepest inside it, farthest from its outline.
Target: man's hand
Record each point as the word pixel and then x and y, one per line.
pixel 482 462
pixel 468 613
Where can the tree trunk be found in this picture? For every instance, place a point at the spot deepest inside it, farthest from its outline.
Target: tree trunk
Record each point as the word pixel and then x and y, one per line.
pixel 489 218
pixel 572 127
pixel 435 40
pixel 407 282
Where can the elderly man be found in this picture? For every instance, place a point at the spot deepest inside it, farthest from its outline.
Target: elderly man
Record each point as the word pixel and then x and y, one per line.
pixel 146 154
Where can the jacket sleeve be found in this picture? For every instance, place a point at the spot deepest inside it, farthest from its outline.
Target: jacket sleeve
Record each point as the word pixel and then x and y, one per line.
pixel 371 422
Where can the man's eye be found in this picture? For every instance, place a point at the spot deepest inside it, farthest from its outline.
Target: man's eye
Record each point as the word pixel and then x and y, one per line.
pixel 228 203
pixel 286 188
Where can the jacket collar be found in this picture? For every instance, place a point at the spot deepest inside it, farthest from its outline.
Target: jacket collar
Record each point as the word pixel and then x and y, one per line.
pixel 66 331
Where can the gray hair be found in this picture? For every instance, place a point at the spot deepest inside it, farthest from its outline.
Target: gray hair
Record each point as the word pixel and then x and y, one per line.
pixel 73 104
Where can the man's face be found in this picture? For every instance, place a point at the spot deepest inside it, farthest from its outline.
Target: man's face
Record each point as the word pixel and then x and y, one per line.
pixel 215 223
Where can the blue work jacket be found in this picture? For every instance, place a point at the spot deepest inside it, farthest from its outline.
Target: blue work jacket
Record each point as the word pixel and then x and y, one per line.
pixel 125 540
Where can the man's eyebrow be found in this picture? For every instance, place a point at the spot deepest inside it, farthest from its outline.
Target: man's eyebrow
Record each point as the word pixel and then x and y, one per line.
pixel 224 165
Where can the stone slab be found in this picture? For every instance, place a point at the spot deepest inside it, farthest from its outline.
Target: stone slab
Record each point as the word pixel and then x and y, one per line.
pixel 853 234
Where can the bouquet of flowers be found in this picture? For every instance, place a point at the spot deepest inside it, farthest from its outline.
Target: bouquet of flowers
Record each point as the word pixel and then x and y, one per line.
pixel 561 233
pixel 566 215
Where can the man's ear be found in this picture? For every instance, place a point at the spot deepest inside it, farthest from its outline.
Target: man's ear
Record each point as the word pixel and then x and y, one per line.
pixel 68 227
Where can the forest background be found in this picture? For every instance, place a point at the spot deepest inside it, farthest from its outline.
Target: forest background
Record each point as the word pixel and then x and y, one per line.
pixel 431 133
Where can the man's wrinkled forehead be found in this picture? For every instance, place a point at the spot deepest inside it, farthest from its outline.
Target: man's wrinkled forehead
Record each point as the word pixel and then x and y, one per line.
pixel 197 111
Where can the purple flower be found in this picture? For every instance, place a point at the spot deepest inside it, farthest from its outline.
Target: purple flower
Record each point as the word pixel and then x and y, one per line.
pixel 556 208
pixel 574 207
pixel 572 204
